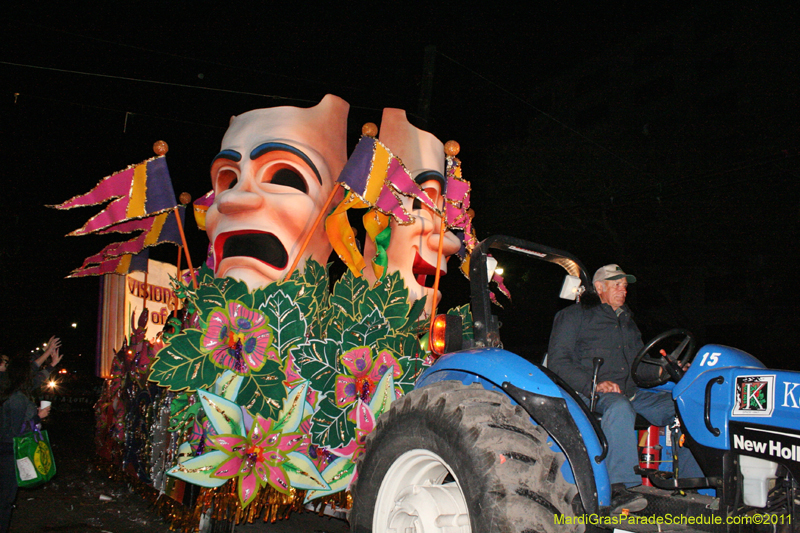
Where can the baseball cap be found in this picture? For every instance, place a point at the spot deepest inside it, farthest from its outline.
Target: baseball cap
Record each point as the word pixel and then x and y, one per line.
pixel 611 272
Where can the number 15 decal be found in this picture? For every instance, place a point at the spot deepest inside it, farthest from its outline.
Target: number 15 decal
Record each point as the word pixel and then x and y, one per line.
pixel 710 359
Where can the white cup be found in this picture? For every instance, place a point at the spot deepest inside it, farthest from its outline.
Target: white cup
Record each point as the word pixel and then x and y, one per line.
pixel 44 404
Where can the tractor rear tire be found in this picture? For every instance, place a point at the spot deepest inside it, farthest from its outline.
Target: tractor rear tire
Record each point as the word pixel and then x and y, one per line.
pixel 456 458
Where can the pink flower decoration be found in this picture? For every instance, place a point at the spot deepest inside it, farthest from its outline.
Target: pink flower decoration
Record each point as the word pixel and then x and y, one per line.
pixel 365 374
pixel 237 338
pixel 364 419
pixel 257 459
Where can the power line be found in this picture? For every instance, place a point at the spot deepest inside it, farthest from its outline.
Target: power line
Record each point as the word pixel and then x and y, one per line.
pixel 249 70
pixel 155 82
pixel 544 113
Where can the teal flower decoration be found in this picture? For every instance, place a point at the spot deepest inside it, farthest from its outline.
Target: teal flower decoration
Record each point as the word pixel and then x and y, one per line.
pixel 257 451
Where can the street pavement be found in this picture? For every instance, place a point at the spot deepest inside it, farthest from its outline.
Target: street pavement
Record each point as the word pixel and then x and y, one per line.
pixel 80 498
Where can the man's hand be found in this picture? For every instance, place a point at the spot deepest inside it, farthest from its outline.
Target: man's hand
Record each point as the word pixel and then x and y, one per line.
pixel 661 369
pixel 608 386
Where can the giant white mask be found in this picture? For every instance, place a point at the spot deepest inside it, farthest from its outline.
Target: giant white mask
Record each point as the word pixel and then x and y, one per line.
pixel 271 179
pixel 413 248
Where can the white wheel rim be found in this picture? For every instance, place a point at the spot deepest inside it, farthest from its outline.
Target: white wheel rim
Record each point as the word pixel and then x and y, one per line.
pixel 414 498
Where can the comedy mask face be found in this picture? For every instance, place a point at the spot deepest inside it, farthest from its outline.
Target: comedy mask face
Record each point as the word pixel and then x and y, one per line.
pixel 271 179
pixel 413 248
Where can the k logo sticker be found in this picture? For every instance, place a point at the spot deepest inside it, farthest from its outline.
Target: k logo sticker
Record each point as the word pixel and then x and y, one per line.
pixel 754 396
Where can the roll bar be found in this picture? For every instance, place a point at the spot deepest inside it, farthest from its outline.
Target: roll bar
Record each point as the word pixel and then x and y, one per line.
pixel 485 326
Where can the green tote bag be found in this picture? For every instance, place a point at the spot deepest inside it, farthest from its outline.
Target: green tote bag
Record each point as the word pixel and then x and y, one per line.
pixel 33 456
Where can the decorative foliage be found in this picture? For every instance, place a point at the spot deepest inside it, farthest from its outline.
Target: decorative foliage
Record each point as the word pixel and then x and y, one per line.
pixel 299 376
pixel 466 320
pixel 368 335
pixel 255 450
pixel 256 458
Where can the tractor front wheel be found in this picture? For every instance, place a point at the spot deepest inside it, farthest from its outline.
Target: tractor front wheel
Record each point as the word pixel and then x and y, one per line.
pixel 455 458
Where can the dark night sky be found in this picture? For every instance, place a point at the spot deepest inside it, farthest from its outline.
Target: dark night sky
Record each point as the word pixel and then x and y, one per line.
pixel 86 92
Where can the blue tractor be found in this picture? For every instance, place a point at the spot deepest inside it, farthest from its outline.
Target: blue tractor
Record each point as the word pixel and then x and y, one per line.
pixel 490 441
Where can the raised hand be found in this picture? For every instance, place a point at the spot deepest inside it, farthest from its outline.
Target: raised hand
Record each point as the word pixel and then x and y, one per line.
pixel 56 358
pixel 53 344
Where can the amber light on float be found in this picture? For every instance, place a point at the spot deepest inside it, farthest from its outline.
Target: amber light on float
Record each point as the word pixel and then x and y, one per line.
pixel 158 344
pixel 439 335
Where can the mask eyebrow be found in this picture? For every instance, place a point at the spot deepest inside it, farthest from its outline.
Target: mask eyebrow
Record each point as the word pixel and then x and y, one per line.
pixel 231 155
pixel 430 175
pixel 265 148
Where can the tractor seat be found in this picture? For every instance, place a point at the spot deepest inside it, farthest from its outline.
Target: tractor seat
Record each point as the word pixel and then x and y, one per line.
pixel 640 422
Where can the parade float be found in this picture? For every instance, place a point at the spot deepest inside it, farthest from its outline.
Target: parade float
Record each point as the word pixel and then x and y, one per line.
pixel 245 389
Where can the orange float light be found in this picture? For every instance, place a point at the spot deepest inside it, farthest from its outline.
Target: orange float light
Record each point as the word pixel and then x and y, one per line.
pixel 438 339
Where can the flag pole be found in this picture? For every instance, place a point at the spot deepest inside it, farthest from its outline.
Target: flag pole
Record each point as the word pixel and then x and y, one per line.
pixel 185 198
pixel 161 148
pixel 323 212
pixel 451 150
pixel 442 230
pixel 178 276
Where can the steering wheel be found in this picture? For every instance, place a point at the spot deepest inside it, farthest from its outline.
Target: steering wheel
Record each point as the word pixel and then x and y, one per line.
pixel 672 364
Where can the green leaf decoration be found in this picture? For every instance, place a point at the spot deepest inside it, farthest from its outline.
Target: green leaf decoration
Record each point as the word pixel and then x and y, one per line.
pixel 347 295
pixel 412 367
pixel 391 297
pixel 218 291
pixel 413 323
pixel 367 332
pixel 314 325
pixel 383 396
pixel 337 475
pixel 182 411
pixel 181 366
pixel 287 320
pixel 310 291
pixel 227 385
pixel 466 320
pixel 198 470
pixel 205 275
pixel 318 362
pixel 330 426
pixel 224 415
pixel 405 347
pixel 263 392
pixel 293 411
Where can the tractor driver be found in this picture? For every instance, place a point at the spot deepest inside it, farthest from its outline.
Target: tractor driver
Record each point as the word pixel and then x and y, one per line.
pixel 601 325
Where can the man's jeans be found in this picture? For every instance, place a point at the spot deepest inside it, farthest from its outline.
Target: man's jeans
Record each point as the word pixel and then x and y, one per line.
pixel 619 415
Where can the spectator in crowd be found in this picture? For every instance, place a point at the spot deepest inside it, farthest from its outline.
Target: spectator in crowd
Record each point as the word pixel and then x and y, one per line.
pixel 17 409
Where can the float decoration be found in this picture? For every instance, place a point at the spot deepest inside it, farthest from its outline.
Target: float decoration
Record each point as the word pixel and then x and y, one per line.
pixel 298 363
pixel 225 338
pixel 257 452
pixel 377 179
pixel 370 333
pixel 266 386
pixel 142 199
